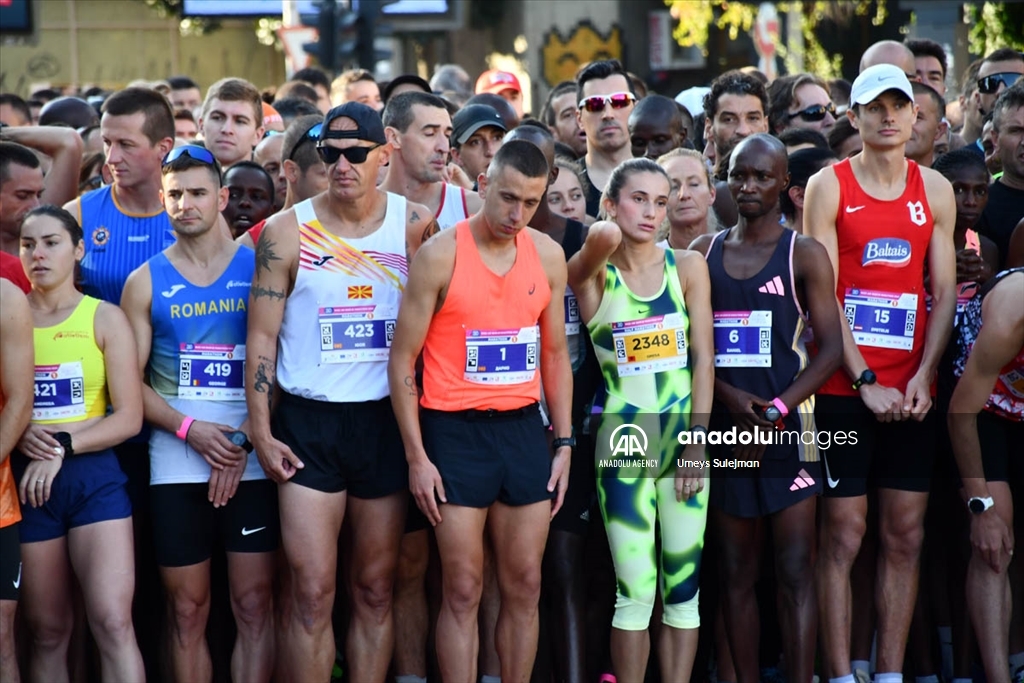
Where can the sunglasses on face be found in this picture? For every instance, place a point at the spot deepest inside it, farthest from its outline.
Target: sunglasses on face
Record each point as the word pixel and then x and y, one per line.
pixel 597 103
pixel 814 113
pixel 989 85
pixel 353 155
pixel 192 152
pixel 311 134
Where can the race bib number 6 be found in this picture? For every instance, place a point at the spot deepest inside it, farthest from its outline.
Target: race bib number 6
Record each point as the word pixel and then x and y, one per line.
pixel 743 339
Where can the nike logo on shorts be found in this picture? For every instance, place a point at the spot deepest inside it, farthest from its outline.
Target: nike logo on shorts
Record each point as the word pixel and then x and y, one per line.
pixel 832 483
pixel 249 532
pixel 17 582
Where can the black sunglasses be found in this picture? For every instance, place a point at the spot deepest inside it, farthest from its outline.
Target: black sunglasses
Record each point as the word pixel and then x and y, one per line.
pixel 814 113
pixel 989 85
pixel 196 152
pixel 353 155
pixel 311 134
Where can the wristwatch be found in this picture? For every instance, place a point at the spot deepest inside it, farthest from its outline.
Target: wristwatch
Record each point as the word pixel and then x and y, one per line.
pixel 569 441
pixel 64 439
pixel 866 377
pixel 979 505
pixel 241 440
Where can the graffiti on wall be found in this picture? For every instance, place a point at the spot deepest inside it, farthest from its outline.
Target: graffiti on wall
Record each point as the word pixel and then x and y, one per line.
pixel 562 57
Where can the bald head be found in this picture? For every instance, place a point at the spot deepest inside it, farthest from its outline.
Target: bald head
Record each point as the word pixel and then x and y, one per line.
pixel 655 127
pixel 535 135
pixel 890 52
pixel 758 173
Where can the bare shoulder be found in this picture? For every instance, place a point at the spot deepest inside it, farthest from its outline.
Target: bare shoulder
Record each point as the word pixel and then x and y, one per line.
pixel 701 245
pixel 278 240
pixel 690 261
pixel 550 251
pixel 936 184
pixel 438 251
pixel 417 214
pixel 12 299
pixel 138 282
pixel 808 247
pixel 110 320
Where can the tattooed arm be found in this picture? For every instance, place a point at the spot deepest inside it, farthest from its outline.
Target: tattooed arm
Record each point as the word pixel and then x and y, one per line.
pixel 277 254
pixel 420 227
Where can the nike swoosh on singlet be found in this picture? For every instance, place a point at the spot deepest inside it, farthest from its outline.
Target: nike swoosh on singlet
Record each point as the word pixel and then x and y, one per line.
pixel 247 532
pixel 852 209
pixel 172 291
pixel 17 583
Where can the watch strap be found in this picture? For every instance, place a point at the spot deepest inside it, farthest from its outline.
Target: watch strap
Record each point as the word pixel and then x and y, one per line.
pixel 777 402
pixel 569 441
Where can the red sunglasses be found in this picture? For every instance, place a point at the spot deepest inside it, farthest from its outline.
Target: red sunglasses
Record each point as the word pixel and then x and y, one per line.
pixel 597 103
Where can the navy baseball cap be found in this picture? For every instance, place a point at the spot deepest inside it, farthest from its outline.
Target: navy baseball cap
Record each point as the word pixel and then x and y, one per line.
pixel 472 118
pixel 369 127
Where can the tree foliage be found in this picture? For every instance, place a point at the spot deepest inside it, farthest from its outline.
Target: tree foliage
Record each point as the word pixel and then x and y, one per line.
pixel 994 25
pixel 695 18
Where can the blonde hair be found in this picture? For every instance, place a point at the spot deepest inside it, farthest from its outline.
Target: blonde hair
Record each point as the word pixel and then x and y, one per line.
pixel 712 219
pixel 339 87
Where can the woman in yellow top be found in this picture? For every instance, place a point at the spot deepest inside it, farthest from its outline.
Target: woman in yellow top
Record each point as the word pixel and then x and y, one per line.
pixel 74 502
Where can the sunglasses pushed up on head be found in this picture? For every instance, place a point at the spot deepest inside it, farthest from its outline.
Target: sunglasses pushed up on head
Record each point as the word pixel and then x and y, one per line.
pixel 596 103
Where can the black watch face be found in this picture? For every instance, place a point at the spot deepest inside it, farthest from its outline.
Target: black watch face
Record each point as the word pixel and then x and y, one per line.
pixel 869 377
pixel 976 506
pixel 238 438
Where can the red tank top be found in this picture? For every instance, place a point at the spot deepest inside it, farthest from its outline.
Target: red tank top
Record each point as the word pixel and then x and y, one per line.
pixel 882 250
pixel 482 349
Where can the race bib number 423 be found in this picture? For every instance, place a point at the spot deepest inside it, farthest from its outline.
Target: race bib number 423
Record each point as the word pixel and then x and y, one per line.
pixel 356 334
pixel 59 392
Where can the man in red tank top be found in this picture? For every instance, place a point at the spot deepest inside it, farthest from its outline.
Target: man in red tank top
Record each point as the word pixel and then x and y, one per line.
pixel 484 305
pixel 883 220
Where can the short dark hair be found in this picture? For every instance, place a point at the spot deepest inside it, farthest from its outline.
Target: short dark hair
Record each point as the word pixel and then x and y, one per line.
pixel 17 104
pixel 840 133
pixel 840 89
pixel 601 69
pixel 1011 98
pixel 1004 54
pixel 299 89
pixel 565 151
pixel 965 157
pixel 803 136
pixel 398 112
pixel 547 114
pixel 313 76
pixel 923 47
pixel 13 153
pixel 969 82
pixel 803 163
pixel 69 222
pixel 925 89
pixel 782 96
pixel 521 155
pixel 271 187
pixel 185 163
pixel 182 83
pixel 298 145
pixel 184 115
pixel 291 108
pixel 159 123
pixel 734 83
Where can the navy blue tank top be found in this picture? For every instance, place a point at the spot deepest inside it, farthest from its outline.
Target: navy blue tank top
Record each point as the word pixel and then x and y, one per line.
pixel 116 243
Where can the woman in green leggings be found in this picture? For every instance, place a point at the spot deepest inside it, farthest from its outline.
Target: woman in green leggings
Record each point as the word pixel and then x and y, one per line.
pixel 648 311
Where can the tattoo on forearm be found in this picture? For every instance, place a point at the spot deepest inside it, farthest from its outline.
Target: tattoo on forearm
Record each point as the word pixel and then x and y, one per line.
pixel 265 254
pixel 261 292
pixel 263 384
pixel 432 229
pixel 410 384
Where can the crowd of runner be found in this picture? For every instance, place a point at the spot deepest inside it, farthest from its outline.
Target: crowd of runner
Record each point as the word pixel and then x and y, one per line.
pixel 395 382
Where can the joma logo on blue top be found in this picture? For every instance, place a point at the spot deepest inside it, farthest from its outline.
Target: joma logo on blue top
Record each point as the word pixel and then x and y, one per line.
pixel 886 251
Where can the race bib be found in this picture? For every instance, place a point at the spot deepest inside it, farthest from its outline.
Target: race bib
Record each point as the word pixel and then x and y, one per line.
pixel 881 319
pixel 356 334
pixel 572 313
pixel 1013 381
pixel 501 356
pixel 743 339
pixel 650 345
pixel 211 372
pixel 59 392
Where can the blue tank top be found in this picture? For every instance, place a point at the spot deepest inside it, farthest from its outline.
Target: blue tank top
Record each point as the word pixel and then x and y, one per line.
pixel 758 331
pixel 116 243
pixel 199 332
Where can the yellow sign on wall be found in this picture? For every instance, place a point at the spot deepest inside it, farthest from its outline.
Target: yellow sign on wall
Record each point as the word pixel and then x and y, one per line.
pixel 563 57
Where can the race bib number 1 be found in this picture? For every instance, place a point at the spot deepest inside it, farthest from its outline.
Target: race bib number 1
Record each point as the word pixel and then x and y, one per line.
pixel 743 339
pixel 211 372
pixel 650 345
pixel 881 319
pixel 501 356
pixel 59 392
pixel 356 334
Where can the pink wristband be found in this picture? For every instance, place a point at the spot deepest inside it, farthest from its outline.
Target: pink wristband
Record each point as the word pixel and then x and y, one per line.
pixel 182 432
pixel 777 402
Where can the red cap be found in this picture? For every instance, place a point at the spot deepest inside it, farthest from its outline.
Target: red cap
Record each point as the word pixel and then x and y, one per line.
pixel 270 115
pixel 494 81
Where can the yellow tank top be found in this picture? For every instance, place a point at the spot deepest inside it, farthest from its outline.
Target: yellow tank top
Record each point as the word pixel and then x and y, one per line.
pixel 71 377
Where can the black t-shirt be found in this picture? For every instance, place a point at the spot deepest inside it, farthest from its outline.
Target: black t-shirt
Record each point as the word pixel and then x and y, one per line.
pixel 1004 210
pixel 593 192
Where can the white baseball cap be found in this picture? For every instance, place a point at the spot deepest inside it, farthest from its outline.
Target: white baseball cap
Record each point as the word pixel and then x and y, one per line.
pixel 875 80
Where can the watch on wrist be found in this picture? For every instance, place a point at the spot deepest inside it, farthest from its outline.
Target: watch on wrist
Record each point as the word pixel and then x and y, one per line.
pixel 774 415
pixel 866 377
pixel 978 505
pixel 569 441
pixel 64 439
pixel 241 440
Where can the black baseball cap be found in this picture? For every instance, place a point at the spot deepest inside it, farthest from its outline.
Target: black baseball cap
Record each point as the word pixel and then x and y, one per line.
pixel 368 124
pixel 404 79
pixel 472 118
